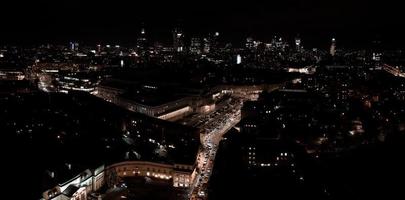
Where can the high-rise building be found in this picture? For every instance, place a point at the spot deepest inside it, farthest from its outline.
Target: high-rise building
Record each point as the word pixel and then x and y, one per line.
pixel 98 51
pixel 141 43
pixel 238 59
pixel 74 46
pixel 178 40
pixel 298 45
pixel 279 42
pixel 249 43
pixel 211 43
pixel 376 50
pixel 195 46
pixel 207 46
pixel 333 47
pixel 214 41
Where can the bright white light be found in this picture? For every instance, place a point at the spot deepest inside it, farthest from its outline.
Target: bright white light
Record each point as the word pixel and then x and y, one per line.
pixel 238 59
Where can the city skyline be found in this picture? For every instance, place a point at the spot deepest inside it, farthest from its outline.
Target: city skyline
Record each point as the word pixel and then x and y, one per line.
pixel 355 24
pixel 202 100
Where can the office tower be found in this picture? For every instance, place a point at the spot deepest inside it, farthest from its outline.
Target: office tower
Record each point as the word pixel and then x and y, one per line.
pixel 141 43
pixel 298 45
pixel 249 43
pixel 207 46
pixel 74 46
pixel 195 46
pixel 333 47
pixel 214 41
pixel 178 40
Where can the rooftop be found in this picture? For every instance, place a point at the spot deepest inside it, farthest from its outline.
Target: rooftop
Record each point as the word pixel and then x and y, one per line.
pixel 150 94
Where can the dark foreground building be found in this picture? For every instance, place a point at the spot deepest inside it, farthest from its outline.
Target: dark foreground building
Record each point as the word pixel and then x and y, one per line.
pixel 72 145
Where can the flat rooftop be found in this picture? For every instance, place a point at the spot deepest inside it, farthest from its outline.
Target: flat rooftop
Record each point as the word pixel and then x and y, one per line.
pixel 149 94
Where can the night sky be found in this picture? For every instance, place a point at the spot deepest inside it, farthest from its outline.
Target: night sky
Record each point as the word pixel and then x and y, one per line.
pixel 353 22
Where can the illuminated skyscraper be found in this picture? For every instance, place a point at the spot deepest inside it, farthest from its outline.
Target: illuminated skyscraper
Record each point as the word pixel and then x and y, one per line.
pixel 195 46
pixel 141 43
pixel 211 43
pixel 214 40
pixel 333 47
pixel 98 50
pixel 376 50
pixel 178 40
pixel 249 43
pixel 298 44
pixel 74 46
pixel 238 59
pixel 207 45
pixel 279 42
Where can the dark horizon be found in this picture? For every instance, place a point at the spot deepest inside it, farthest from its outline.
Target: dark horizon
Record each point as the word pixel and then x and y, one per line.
pixel 354 24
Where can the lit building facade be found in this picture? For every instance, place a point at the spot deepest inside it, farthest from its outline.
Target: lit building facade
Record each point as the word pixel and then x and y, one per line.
pixel 171 110
pixel 12 74
pixel 180 175
pixel 81 186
